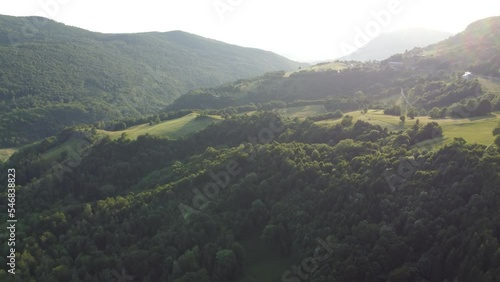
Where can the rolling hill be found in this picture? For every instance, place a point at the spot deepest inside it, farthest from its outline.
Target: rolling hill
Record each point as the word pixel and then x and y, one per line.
pixel 388 44
pixel 54 75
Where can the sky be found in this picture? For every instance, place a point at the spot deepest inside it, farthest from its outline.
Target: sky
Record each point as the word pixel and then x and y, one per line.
pixel 303 30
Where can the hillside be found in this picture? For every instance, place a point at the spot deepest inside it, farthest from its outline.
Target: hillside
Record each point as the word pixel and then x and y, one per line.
pixel 475 49
pixel 371 85
pixel 54 75
pixel 388 44
pixel 432 80
pixel 279 89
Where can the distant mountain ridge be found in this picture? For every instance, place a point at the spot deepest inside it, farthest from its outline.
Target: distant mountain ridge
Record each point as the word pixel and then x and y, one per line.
pixel 55 75
pixel 391 43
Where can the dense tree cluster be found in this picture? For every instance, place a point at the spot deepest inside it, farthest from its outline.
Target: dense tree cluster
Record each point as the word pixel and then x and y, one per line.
pixel 132 205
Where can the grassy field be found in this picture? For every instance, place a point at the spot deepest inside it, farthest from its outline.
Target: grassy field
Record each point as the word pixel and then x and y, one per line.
pixel 6 153
pixel 263 264
pixel 328 66
pixel 473 130
pixel 302 111
pixel 490 84
pixel 71 146
pixel 335 66
pixel 173 129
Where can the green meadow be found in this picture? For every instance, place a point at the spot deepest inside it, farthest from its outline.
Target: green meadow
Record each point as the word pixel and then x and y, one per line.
pixel 473 130
pixel 172 129
pixel 330 66
pixel 6 153
pixel 302 111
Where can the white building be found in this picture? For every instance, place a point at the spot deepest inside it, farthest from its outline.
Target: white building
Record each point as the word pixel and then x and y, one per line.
pixel 467 75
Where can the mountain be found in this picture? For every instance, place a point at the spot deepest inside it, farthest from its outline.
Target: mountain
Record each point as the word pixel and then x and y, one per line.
pixel 388 44
pixel 476 49
pixel 55 75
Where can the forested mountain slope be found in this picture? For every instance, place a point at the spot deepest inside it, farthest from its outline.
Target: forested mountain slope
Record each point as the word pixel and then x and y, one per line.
pixel 52 75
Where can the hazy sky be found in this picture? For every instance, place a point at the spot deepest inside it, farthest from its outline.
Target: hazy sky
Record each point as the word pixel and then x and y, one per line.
pixel 299 29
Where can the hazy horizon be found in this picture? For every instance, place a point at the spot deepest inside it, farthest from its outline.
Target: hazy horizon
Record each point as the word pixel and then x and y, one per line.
pixel 303 32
